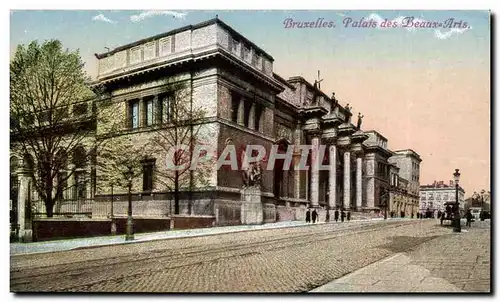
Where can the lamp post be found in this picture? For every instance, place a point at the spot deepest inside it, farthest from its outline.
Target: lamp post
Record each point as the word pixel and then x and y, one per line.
pixel 130 224
pixel 456 218
pixel 481 215
pixel 327 216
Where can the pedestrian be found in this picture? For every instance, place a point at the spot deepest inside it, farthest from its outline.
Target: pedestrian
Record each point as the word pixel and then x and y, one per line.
pixel 308 216
pixel 336 215
pixel 418 215
pixel 314 216
pixel 342 215
pixel 348 216
pixel 468 216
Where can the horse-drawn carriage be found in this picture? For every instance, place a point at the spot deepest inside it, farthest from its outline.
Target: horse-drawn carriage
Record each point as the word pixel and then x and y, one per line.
pixel 449 213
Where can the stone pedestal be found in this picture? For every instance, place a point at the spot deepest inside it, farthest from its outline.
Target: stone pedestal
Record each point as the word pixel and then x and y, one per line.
pixel 24 235
pixel 251 206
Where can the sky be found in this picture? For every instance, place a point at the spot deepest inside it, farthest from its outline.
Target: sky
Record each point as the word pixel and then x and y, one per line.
pixel 426 89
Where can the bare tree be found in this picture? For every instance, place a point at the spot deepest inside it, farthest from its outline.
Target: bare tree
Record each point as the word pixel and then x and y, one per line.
pixel 53 113
pixel 182 124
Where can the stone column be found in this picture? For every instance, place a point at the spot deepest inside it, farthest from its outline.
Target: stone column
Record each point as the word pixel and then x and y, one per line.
pixel 332 177
pixel 347 180
pixel 262 121
pixel 315 172
pixel 251 117
pixel 296 156
pixel 359 182
pixel 241 113
pixel 22 199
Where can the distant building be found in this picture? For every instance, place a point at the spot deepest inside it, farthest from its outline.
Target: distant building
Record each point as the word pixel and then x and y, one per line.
pixel 433 197
pixel 406 182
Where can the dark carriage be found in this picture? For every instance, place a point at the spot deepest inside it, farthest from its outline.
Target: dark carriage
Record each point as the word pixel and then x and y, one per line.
pixel 449 212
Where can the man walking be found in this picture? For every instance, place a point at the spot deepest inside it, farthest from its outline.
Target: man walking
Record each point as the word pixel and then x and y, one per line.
pixel 468 216
pixel 308 216
pixel 314 216
pixel 336 215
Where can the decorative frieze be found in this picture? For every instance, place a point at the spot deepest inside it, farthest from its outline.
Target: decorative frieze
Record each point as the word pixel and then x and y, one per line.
pixel 283 131
pixel 120 59
pixel 165 46
pixel 106 64
pixel 150 51
pixel 182 41
pixel 135 55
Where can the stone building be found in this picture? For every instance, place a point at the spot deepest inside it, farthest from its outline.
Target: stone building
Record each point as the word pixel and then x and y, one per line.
pixel 244 103
pixel 408 181
pixel 434 196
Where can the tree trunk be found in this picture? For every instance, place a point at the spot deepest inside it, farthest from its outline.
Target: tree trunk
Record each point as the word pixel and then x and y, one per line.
pixel 176 193
pixel 49 202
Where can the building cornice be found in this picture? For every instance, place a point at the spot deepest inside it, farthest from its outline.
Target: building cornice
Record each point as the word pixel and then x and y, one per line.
pixel 185 28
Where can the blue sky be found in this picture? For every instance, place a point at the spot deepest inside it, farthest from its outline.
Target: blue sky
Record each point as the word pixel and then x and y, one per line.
pixel 77 29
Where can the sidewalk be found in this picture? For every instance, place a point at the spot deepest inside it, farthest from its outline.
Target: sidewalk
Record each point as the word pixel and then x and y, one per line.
pixel 393 274
pixel 69 244
pixel 456 262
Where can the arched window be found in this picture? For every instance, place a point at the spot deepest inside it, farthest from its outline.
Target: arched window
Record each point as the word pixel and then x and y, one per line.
pixel 14 164
pixel 29 163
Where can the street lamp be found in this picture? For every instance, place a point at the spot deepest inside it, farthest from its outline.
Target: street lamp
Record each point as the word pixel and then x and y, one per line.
pixel 457 227
pixel 481 215
pixel 130 224
pixel 327 217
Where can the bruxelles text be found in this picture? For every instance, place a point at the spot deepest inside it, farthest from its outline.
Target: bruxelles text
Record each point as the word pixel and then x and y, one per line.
pixel 297 157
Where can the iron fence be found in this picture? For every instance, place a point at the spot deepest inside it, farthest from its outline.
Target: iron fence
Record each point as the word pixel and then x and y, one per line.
pixel 67 208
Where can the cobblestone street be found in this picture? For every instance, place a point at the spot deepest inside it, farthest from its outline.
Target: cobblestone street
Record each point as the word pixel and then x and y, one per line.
pixel 295 259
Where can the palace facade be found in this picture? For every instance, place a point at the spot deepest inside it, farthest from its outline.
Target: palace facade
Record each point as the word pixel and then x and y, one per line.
pixel 244 102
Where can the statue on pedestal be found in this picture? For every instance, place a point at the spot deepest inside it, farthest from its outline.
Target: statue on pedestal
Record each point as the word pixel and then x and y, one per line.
pixel 334 101
pixel 252 176
pixel 348 109
pixel 360 120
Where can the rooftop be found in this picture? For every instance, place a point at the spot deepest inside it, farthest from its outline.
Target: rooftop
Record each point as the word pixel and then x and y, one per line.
pixel 188 27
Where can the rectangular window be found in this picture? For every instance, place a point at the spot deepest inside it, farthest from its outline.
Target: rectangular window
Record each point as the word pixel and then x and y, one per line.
pixel 134 114
pixel 165 108
pixel 80 109
pixel 149 112
pixel 147 177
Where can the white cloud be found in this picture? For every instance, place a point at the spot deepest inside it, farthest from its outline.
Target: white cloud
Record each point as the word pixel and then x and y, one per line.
pixel 102 18
pixel 342 14
pixel 441 36
pixel 152 13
